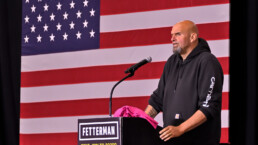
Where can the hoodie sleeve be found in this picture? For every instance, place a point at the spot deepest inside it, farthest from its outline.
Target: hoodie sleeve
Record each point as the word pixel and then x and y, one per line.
pixel 210 84
pixel 156 99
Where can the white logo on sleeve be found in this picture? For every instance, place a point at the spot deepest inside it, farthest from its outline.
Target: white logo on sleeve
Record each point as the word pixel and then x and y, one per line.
pixel 205 103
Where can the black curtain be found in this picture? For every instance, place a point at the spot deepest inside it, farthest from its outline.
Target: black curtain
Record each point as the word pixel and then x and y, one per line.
pixel 10 47
pixel 243 70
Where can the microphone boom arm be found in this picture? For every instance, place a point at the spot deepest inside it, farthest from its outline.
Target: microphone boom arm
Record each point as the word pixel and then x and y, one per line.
pixel 111 93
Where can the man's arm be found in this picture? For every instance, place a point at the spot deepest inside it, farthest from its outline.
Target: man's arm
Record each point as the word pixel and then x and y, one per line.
pixel 195 120
pixel 151 111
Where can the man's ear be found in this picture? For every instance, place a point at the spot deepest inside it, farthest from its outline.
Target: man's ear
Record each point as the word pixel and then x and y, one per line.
pixel 193 37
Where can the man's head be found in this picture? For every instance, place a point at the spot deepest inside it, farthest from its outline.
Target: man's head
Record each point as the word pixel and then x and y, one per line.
pixel 184 37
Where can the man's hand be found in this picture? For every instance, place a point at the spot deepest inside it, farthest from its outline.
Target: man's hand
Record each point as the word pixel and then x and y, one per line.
pixel 170 132
pixel 195 120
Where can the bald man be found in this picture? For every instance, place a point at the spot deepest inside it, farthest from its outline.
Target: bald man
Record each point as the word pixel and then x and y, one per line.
pixel 189 91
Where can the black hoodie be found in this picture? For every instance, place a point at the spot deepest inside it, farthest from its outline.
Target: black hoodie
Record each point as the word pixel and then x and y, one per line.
pixel 191 85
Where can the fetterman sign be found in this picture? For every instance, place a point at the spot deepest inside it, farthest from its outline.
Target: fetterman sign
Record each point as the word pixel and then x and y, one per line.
pixel 99 131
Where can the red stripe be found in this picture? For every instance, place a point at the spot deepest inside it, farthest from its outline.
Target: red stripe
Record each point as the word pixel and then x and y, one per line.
pixel 86 106
pixel 224 135
pixel 88 74
pixel 225 99
pixel 78 107
pixel 224 62
pixel 49 139
pixel 96 74
pixel 209 31
pixel 71 138
pixel 109 7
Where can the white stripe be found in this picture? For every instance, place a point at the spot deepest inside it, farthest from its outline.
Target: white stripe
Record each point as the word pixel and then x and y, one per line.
pixel 226 84
pixel 126 55
pixel 225 119
pixel 164 18
pixel 52 124
pixel 93 90
pixel 159 119
pixel 88 91
pixel 220 48
pixel 69 124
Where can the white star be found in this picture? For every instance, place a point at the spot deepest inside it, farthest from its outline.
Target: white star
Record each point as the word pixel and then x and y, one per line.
pixel 52 37
pixel 45 7
pixel 52 17
pixel 78 14
pixel 72 25
pixel 92 12
pixel 85 3
pixel 39 0
pixel 26 39
pixel 72 4
pixel 33 8
pixel 26 19
pixel 33 28
pixel 78 35
pixel 58 27
pixel 39 18
pixel 27 1
pixel 59 6
pixel 45 27
pixel 65 16
pixel 85 24
pixel 92 33
pixel 65 36
pixel 39 38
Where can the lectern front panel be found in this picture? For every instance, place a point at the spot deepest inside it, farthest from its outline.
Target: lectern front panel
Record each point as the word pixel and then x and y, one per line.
pixel 99 131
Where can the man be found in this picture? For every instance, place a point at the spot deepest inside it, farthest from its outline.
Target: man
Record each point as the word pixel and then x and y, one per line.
pixel 189 91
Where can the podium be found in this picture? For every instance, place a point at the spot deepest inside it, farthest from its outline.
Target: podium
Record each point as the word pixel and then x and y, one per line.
pixel 117 131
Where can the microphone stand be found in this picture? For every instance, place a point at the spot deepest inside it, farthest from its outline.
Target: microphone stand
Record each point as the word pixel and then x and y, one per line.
pixel 110 99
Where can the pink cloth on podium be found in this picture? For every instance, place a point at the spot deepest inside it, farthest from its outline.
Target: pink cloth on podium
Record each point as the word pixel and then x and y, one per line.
pixel 129 111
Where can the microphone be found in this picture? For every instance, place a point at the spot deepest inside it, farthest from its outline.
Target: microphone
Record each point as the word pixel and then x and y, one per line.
pixel 131 71
pixel 133 68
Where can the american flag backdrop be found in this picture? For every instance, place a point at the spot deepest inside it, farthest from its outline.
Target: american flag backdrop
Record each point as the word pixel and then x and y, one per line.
pixel 74 51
